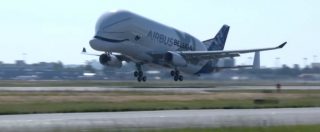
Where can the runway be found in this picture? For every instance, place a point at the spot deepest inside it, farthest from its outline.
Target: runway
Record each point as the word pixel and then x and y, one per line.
pixel 177 90
pixel 159 119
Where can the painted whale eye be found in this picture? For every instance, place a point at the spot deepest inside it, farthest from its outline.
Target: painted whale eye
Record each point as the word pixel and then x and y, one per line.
pixel 137 38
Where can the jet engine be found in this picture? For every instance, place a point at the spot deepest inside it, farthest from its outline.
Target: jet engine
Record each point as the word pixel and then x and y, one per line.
pixel 110 60
pixel 175 59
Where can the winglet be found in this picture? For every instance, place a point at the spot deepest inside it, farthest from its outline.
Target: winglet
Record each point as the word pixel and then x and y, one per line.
pixel 84 50
pixel 282 45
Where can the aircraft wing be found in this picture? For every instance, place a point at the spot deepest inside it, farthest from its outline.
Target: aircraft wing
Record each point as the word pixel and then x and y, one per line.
pixel 221 54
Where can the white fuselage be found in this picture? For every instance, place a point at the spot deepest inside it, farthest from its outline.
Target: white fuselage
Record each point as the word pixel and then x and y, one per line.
pixel 139 39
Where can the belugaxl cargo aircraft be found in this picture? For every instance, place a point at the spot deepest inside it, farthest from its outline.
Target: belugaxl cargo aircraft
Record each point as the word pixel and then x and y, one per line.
pixel 125 36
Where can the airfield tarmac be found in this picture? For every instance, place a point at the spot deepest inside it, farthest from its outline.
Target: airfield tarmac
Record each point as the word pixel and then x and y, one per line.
pixel 159 119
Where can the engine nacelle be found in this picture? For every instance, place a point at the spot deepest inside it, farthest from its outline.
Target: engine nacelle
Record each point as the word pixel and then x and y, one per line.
pixel 175 59
pixel 110 60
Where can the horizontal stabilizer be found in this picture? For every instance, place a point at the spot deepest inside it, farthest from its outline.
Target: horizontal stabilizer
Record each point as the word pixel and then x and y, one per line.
pixel 84 51
pixel 234 67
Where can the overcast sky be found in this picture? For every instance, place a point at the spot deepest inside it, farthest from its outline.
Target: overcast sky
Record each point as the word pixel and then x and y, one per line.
pixel 40 30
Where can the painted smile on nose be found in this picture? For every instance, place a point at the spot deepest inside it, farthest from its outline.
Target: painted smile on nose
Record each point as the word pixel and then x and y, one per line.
pixel 110 40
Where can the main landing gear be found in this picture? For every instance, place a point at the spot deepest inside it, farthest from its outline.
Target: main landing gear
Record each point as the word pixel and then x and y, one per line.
pixel 139 74
pixel 176 75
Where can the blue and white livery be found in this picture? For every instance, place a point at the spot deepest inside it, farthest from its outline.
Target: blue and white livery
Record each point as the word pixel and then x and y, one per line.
pixel 143 41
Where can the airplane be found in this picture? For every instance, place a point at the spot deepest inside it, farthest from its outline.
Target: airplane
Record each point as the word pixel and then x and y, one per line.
pixel 125 36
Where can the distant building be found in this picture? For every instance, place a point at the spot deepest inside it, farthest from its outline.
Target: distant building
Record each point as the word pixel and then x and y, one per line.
pixel 20 63
pixel 315 65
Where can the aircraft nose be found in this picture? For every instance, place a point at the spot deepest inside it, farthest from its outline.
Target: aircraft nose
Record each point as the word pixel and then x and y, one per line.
pixel 96 44
pixel 92 44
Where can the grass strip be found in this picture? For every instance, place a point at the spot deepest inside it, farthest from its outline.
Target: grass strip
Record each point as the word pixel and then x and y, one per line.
pixel 141 105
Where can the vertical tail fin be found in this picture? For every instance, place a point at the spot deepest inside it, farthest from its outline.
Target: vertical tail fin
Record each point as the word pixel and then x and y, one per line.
pixel 218 42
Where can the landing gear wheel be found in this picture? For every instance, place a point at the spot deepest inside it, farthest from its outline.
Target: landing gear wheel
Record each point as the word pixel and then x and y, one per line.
pixel 175 78
pixel 144 78
pixel 180 78
pixel 140 73
pixel 139 79
pixel 135 73
pixel 172 73
pixel 177 73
